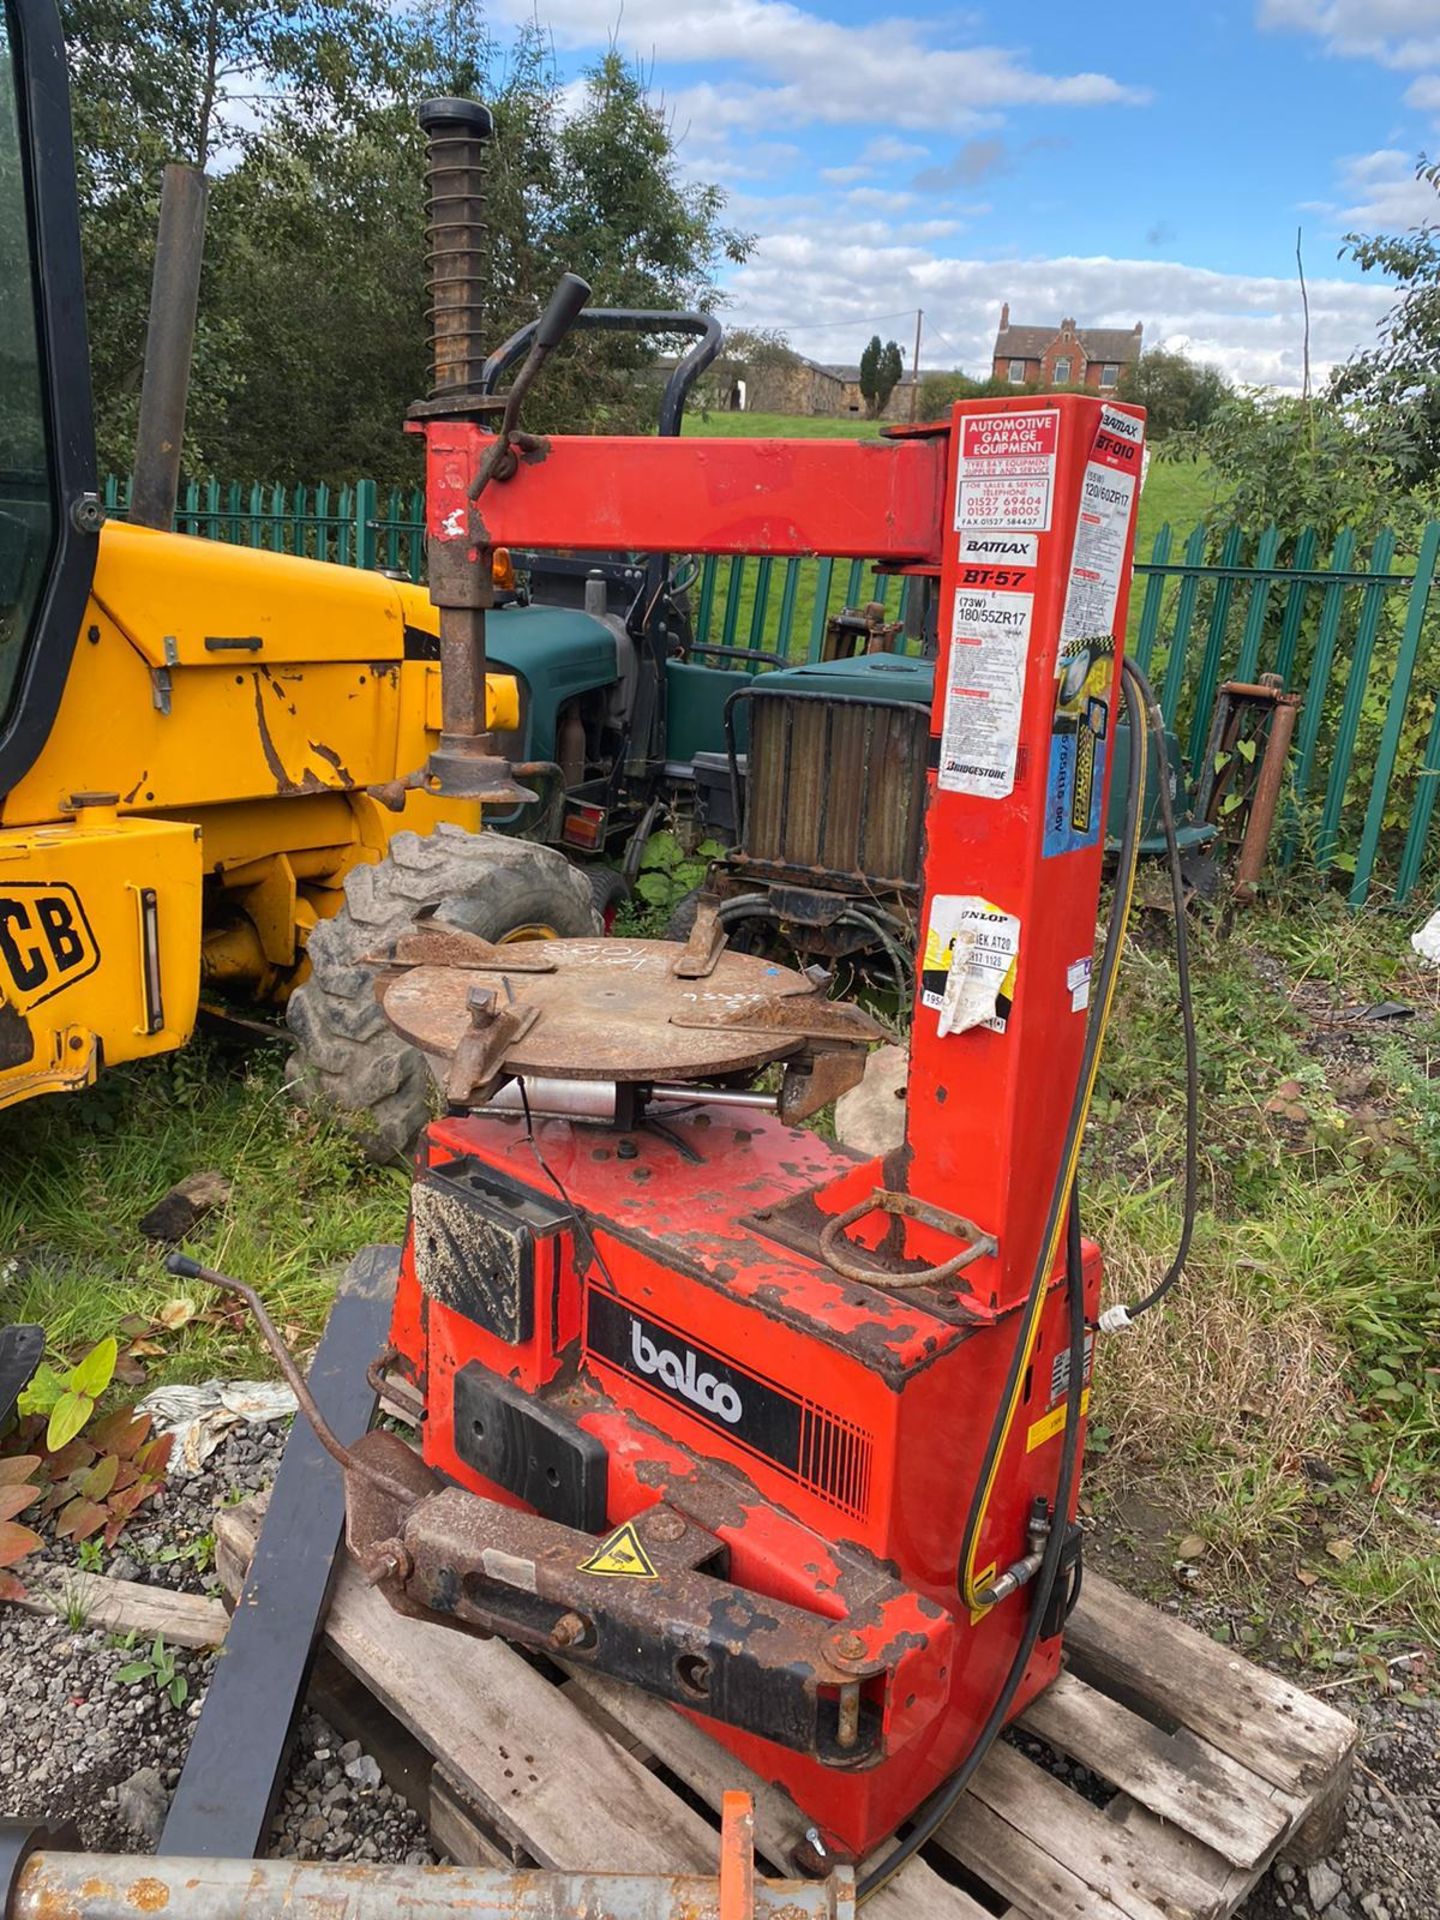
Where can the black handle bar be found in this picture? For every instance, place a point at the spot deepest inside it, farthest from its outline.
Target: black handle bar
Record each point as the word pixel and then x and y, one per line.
pixel 628 320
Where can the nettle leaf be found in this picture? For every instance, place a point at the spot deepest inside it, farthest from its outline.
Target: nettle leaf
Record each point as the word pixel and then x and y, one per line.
pixel 662 850
pixel 16 1542
pixel 44 1390
pixel 80 1519
pixel 98 1482
pixel 655 889
pixel 93 1374
pixel 14 1500
pixel 67 1417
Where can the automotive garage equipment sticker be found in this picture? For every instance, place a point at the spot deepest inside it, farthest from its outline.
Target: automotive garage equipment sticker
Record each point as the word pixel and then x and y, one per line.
pixel 984 689
pixel 1007 470
pixel 968 970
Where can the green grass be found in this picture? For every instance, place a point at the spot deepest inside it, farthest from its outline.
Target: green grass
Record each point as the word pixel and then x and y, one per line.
pixel 1284 1404
pixel 82 1169
pixel 1179 493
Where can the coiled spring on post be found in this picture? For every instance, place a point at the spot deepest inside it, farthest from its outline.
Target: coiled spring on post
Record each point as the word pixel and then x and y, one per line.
pixel 456 239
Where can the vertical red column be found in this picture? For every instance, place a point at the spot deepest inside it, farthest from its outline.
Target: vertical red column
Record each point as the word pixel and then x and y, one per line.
pixel 1034 589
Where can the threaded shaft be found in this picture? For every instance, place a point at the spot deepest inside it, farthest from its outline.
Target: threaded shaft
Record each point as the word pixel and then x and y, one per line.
pixel 457 241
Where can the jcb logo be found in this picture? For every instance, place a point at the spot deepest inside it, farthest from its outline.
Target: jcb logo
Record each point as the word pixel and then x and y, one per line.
pixel 45 941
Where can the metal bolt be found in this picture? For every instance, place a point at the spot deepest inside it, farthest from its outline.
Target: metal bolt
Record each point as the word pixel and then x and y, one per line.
pixel 626 1149
pixel 664 1524
pixel 481 1003
pixel 848 1648
pixel 386 1560
pixel 569 1630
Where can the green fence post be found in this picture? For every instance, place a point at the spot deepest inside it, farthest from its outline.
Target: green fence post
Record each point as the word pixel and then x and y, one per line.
pixel 417 534
pixel 212 510
pixel 788 592
pixel 824 573
pixel 1342 556
pixel 1154 594
pixel 1184 615
pixel 1209 681
pixel 1371 607
pixel 366 510
pixel 1428 781
pixel 1395 714
pixel 1248 664
pixel 1303 562
pixel 705 607
pixel 190 512
pixel 733 588
pixel 762 602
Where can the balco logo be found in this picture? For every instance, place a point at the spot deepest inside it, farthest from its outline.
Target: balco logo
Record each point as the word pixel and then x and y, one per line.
pixel 715 1396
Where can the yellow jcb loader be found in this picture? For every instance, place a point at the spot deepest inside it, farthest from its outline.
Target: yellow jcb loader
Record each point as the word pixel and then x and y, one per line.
pixel 193 735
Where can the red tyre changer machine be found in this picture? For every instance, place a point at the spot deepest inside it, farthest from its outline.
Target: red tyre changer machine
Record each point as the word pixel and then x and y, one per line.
pixel 732 1413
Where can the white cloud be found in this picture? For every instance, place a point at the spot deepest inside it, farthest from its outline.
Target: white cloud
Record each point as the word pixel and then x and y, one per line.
pixel 806 281
pixel 1380 189
pixel 880 198
pixel 886 151
pixel 1424 93
pixel 818 70
pixel 1397 33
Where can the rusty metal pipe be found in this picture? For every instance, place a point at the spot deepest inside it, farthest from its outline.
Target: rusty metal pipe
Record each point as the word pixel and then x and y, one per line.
pixel 169 345
pixel 118 1886
pixel 1268 784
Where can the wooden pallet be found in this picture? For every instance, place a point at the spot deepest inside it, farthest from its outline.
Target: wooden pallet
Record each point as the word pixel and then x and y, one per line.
pixel 1217 1767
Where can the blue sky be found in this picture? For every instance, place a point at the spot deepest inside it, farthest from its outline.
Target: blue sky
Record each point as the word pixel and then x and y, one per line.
pixel 1138 160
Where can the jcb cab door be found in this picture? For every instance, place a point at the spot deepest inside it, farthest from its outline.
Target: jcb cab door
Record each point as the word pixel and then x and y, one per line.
pixel 49 516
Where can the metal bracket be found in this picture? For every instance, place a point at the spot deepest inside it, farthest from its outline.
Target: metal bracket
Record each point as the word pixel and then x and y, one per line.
pixel 706 943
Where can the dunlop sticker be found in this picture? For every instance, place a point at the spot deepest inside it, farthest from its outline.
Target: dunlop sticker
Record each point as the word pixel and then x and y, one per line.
pixel 1052 1423
pixel 968 969
pixel 621 1557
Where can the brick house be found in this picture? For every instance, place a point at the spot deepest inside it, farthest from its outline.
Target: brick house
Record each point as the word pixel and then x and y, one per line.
pixel 1042 357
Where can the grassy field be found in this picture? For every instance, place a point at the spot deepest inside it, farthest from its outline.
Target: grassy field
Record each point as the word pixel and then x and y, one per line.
pixel 1281 1410
pixel 1179 493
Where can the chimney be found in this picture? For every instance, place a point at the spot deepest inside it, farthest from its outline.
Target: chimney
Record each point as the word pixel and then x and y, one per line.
pixel 1005 316
pixel 1139 328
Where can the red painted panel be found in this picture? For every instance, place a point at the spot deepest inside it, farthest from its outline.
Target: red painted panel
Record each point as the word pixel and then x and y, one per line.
pixel 862 499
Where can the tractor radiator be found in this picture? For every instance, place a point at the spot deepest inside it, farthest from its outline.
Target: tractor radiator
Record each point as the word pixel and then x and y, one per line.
pixel 835 787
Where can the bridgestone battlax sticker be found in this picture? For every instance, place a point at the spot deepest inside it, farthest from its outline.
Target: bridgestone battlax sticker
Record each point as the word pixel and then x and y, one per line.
pixel 985 689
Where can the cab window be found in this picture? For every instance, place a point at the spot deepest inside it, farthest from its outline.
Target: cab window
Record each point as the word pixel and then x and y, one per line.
pixel 27 510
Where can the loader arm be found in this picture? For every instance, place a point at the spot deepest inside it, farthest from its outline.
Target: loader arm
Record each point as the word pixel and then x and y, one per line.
pixel 49 514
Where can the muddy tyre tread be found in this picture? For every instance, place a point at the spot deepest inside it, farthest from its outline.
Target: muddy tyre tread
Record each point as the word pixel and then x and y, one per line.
pixel 346 1055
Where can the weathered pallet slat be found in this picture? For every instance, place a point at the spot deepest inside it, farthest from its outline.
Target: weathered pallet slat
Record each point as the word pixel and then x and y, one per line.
pixel 561 1774
pixel 1213 1797
pixel 1273 1728
pixel 128 1606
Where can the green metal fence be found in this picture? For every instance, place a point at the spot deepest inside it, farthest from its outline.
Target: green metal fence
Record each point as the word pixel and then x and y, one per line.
pixel 355 526
pixel 1355 632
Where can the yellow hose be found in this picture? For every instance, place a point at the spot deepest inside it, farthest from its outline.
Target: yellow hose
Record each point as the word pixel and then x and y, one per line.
pixel 975 1596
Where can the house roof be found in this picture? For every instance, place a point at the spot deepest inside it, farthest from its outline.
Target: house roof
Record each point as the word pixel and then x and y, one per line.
pixel 1117 344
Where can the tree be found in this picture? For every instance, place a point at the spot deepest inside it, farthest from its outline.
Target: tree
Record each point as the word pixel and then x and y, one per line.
pixel 1177 393
pixel 1295 463
pixel 1397 382
pixel 312 337
pixel 880 370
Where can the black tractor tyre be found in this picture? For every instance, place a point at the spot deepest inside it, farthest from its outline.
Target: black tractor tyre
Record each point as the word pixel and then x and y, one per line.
pixel 347 1055
pixel 681 923
pixel 609 890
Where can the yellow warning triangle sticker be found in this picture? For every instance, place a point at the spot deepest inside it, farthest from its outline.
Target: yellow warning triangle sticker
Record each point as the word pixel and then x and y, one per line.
pixel 621 1557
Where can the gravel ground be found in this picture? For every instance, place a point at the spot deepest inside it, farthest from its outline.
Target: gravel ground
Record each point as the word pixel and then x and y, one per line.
pixel 76 1742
